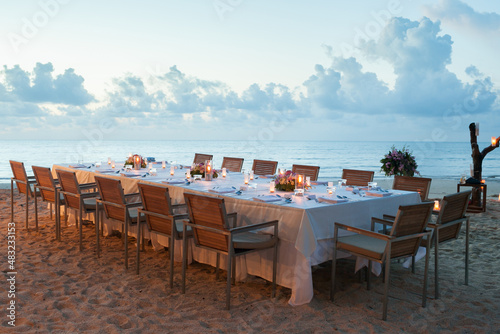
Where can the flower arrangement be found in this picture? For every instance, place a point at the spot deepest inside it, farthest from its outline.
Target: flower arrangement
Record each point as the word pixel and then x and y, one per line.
pixel 286 181
pixel 399 162
pixel 199 169
pixel 130 161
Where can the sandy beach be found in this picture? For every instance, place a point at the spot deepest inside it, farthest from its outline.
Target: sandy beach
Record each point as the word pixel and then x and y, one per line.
pixel 59 289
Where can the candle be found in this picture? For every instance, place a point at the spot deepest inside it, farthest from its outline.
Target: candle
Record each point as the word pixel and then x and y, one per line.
pixel 246 178
pixel 330 191
pixel 113 164
pixel 130 155
pixel 282 171
pixel 163 164
pixel 224 172
pixel 436 205
pixel 188 174
pixel 493 141
pixel 272 187
pixel 109 161
pixel 251 175
pixel 172 170
pixel 308 181
pixel 483 181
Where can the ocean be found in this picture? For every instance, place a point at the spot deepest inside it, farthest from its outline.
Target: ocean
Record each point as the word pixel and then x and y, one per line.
pixel 435 159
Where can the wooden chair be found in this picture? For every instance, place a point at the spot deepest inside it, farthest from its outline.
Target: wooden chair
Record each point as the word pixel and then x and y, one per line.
pixel 421 185
pixel 24 185
pixel 201 158
pixel 311 171
pixel 264 167
pixel 212 231
pixel 48 188
pixel 232 164
pixel 120 207
pixel 404 240
pixel 357 177
pixel 160 218
pixel 77 197
pixel 447 228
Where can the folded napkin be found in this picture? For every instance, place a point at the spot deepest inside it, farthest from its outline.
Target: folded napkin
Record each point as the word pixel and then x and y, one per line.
pixel 173 181
pixel 78 166
pixel 131 174
pixel 268 198
pixel 223 190
pixel 319 183
pixel 377 193
pixel 104 171
pixel 331 200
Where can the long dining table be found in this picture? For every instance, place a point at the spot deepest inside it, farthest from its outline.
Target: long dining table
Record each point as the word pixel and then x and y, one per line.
pixel 306 223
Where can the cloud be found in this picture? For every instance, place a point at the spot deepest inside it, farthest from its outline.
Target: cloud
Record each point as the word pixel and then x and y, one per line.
pixel 460 14
pixel 424 86
pixel 41 87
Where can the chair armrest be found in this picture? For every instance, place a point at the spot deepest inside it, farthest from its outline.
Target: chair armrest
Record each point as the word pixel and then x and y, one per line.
pixel 389 217
pixel 363 231
pixel 181 216
pixel 132 194
pixel 133 205
pixel 89 195
pixel 178 206
pixel 86 186
pixel 258 226
pixel 31 177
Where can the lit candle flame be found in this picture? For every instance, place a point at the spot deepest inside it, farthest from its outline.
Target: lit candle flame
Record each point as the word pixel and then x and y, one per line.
pixel 493 141
pixel 483 181
pixel 436 205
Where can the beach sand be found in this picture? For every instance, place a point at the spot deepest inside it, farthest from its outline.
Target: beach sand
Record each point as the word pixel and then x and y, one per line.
pixel 62 290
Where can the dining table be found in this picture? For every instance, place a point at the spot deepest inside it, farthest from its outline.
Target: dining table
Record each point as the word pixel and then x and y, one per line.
pixel 306 222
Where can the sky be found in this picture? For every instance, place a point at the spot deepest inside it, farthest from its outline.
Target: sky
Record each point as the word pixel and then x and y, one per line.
pixel 393 70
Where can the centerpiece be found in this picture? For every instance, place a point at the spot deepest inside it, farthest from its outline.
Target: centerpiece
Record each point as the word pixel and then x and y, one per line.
pixel 286 181
pixel 133 159
pixel 200 169
pixel 399 162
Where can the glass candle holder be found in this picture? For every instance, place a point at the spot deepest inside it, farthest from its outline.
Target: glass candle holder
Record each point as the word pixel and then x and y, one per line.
pixel 224 172
pixel 272 187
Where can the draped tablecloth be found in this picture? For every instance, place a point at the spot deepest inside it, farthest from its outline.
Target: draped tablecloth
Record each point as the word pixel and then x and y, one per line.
pixel 306 227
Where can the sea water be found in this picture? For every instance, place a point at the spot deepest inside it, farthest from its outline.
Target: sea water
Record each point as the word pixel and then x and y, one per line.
pixel 435 159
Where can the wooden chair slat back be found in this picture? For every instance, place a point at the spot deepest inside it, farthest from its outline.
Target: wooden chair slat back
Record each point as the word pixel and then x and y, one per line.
pixel 156 199
pixel 410 219
pixel 311 171
pixel 421 185
pixel 110 190
pixel 44 178
pixel 453 207
pixel 19 173
pixel 357 177
pixel 69 183
pixel 264 167
pixel 209 212
pixel 201 158
pixel 232 164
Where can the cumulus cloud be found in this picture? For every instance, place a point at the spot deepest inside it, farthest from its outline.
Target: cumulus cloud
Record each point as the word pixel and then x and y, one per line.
pixel 41 87
pixel 459 13
pixel 424 86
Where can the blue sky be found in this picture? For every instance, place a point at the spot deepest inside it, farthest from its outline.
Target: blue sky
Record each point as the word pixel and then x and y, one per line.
pixel 394 70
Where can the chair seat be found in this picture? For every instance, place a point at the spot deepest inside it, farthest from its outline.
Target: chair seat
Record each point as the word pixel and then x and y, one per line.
pixel 179 226
pixel 364 245
pixel 89 204
pixel 249 240
pixel 133 216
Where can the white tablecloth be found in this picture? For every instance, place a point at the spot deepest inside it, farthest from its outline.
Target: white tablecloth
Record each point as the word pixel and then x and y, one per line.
pixel 306 227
